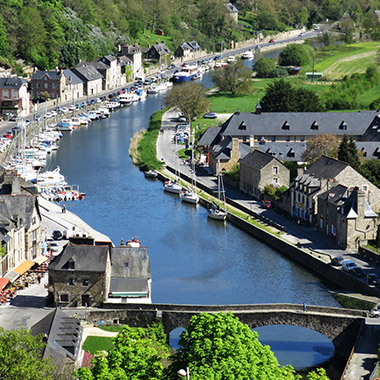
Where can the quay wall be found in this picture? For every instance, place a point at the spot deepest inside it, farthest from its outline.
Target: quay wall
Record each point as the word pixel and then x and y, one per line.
pixel 299 255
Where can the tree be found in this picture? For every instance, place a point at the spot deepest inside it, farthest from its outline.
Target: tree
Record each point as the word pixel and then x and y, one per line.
pixel 20 354
pixel 219 346
pixel 318 374
pixel 323 144
pixel 189 98
pixel 235 78
pixel 282 96
pixel 296 55
pixel 3 38
pixel 347 27
pixel 264 67
pixel 370 169
pixel 348 152
pixel 137 354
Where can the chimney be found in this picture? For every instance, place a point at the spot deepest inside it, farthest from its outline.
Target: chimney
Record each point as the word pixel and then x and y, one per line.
pixel 258 108
pixel 360 202
pixel 237 112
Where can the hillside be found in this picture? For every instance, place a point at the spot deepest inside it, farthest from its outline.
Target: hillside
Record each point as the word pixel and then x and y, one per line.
pixel 50 33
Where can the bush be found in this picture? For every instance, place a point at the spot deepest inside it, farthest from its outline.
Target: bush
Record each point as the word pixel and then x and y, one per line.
pixel 280 72
pixel 296 55
pixel 264 67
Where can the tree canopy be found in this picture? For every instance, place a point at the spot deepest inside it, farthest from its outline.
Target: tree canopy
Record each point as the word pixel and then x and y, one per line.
pixel 264 67
pixel 348 152
pixel 282 96
pixel 296 55
pixel 20 354
pixel 189 98
pixel 235 78
pixel 219 346
pixel 323 144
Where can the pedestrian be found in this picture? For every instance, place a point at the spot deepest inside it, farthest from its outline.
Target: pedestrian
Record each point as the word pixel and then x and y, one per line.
pixel 39 278
pixel 304 307
pixel 63 209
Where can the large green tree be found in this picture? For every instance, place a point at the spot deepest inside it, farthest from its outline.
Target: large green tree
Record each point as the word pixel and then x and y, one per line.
pixel 282 96
pixel 189 98
pixel 219 346
pixel 348 152
pixel 296 55
pixel 137 355
pixel 264 67
pixel 20 354
pixel 234 78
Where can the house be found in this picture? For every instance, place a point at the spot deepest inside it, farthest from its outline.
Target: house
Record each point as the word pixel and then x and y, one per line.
pixel 320 177
pixel 290 131
pixel 92 79
pixel 14 96
pixel 258 169
pixel 79 275
pixel 74 88
pixel 188 50
pixel 90 275
pixel 130 275
pixel 232 11
pixel 159 52
pixel 134 54
pixel 52 83
pixel 346 215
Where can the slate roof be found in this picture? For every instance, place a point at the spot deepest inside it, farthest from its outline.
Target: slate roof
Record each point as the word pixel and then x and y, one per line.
pixel 130 262
pixel 18 206
pixel 258 160
pixel 298 123
pixel 131 49
pixel 71 78
pixel 109 57
pixel 124 60
pixel 87 73
pixel 326 167
pixel 88 258
pixel 222 151
pixel 194 45
pixel 210 137
pixel 289 151
pixel 336 195
pixel 161 48
pixel 52 75
pixel 12 83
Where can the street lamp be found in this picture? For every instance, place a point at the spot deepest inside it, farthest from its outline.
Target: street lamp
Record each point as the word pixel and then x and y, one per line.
pixel 182 373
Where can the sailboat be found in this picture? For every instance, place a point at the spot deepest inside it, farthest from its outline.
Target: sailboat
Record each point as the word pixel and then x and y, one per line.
pixel 215 211
pixel 190 195
pixel 173 186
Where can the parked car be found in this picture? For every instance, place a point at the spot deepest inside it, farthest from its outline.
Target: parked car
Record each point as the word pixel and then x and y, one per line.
pixel 358 272
pixel 372 279
pixel 210 115
pixel 337 261
pixel 271 41
pixel 57 235
pixel 266 204
pixel 348 265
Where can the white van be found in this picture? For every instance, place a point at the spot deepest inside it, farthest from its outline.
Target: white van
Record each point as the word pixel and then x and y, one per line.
pixel 348 265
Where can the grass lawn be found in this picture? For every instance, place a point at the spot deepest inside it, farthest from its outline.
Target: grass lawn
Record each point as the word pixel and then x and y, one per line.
pixel 370 95
pixel 111 328
pixel 97 343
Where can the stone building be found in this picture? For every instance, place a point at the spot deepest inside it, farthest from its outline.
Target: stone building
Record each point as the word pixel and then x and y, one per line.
pixel 52 83
pixel 134 54
pixel 258 169
pixel 14 96
pixel 74 88
pixel 80 275
pixel 346 215
pixel 322 176
pixel 92 79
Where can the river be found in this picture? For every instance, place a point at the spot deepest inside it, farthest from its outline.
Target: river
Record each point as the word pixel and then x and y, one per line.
pixel 193 260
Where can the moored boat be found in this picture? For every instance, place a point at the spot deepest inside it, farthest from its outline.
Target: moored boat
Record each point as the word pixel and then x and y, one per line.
pixel 172 186
pixel 189 196
pixel 187 73
pixel 151 174
pixel 247 55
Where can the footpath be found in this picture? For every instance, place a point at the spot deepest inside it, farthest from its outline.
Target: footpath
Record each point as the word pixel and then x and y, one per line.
pixel 363 358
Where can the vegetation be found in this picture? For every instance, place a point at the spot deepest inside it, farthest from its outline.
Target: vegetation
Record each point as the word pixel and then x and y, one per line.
pixel 234 173
pixel 234 78
pixel 274 192
pixel 282 96
pixel 136 354
pixel 264 67
pixel 20 354
pixel 296 55
pixel 323 144
pixel 189 98
pixel 219 346
pixel 348 152
pixel 93 344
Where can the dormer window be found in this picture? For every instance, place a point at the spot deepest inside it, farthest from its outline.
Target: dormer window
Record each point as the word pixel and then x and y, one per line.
pixel 286 125
pixel 243 126
pixel 315 125
pixel 343 126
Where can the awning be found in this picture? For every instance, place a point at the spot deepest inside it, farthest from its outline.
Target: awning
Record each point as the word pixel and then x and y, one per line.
pixel 128 294
pixel 3 283
pixel 40 260
pixel 12 276
pixel 25 266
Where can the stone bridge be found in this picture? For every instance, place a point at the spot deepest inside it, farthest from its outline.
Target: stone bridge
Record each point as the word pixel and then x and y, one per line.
pixel 338 324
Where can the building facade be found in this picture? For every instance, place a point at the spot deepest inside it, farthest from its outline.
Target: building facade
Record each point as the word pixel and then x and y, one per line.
pixel 52 83
pixel 14 96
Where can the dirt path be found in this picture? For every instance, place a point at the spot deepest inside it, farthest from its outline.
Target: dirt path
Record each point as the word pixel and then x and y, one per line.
pixel 351 58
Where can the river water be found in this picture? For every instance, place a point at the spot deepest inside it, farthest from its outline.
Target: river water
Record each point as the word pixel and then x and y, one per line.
pixel 194 260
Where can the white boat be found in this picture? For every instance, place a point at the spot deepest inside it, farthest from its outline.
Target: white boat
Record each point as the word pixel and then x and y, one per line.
pixel 64 126
pixel 172 186
pixel 141 93
pixel 153 89
pixel 247 55
pixel 112 105
pixel 215 211
pixel 51 178
pixel 189 196
pixel 128 98
pixel 231 59
pixel 75 122
pixel 187 73
pixel 151 174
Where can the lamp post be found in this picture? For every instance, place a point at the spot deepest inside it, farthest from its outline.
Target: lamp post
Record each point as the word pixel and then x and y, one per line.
pixel 182 373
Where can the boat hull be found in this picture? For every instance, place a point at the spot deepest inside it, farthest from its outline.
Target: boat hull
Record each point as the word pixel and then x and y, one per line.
pixel 194 199
pixel 217 214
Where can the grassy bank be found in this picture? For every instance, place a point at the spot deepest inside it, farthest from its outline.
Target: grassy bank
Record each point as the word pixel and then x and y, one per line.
pixel 143 144
pixel 350 302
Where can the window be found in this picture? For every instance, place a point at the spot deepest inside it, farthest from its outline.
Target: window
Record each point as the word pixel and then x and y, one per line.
pixel 5 93
pixel 275 181
pixel 287 138
pixel 85 282
pixel 14 94
pixel 71 282
pixel 53 85
pixel 273 138
pixel 275 169
pixel 46 85
pixel 126 265
pixel 37 85
pixel 64 298
pixel 302 138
